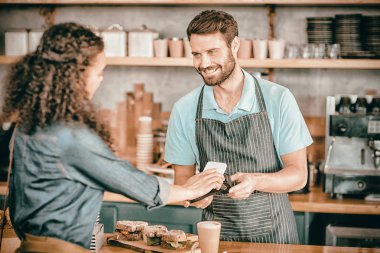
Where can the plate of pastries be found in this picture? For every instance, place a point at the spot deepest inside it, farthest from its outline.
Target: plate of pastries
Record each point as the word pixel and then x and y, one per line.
pixel 142 237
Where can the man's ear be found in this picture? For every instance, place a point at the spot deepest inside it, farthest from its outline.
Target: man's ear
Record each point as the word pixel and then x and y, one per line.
pixel 235 45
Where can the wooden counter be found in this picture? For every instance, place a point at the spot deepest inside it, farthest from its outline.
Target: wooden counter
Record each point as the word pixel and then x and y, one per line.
pixel 316 201
pixel 320 202
pixel 11 243
pixel 241 247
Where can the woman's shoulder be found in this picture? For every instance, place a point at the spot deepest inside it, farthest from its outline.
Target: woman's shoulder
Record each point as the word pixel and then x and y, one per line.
pixel 69 134
pixel 67 130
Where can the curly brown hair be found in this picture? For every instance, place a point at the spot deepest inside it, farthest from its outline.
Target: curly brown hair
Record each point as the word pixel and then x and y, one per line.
pixel 212 21
pixel 47 86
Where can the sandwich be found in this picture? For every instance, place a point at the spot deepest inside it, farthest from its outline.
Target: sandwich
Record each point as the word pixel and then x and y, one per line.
pixel 152 234
pixel 174 240
pixel 191 238
pixel 129 230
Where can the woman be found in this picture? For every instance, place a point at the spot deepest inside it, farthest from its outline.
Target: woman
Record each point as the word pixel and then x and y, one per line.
pixel 62 156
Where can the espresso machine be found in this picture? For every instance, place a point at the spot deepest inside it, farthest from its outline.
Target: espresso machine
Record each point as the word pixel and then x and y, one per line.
pixel 352 165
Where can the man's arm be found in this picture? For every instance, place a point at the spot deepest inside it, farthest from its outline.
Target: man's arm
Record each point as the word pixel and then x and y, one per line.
pixel 182 173
pixel 292 177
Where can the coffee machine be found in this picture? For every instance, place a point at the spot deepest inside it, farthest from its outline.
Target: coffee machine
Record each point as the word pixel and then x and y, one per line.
pixel 352 165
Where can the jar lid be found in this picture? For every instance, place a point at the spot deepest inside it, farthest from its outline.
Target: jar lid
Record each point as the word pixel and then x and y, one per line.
pixel 115 27
pixel 143 28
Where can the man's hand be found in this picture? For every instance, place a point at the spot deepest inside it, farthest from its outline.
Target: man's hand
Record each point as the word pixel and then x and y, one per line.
pixel 246 185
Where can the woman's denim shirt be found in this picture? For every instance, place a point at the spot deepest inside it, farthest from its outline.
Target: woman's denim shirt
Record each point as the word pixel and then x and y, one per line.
pixel 58 178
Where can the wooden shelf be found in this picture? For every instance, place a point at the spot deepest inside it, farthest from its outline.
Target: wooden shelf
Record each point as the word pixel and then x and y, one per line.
pixel 194 2
pixel 246 63
pixel 312 63
pixel 8 59
pixel 150 62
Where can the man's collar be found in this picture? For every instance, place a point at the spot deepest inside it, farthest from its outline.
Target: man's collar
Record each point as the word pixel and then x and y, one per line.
pixel 247 97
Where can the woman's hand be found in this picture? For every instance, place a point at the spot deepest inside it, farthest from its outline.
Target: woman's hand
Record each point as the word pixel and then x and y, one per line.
pixel 202 183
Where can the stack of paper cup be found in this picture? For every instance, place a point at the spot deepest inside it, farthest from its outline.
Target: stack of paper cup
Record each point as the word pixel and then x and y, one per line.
pixel 144 150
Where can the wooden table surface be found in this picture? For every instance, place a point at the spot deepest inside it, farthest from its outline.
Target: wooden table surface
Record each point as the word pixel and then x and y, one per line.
pixel 242 247
pixel 11 243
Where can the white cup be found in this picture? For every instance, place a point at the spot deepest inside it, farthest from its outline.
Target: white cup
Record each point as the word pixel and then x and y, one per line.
pixel 208 237
pixel 260 49
pixel 160 48
pixel 276 49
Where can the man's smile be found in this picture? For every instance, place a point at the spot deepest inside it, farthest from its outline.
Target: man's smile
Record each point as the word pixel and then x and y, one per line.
pixel 209 71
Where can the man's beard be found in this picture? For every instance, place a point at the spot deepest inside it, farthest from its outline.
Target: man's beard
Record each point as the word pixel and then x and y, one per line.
pixel 226 71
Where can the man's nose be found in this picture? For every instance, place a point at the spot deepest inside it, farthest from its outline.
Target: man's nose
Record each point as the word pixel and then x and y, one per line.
pixel 205 61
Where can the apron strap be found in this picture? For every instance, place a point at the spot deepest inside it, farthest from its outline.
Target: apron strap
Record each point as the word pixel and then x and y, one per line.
pixel 259 95
pixel 200 105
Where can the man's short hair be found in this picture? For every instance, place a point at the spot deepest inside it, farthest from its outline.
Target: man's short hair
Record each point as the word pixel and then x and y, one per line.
pixel 212 21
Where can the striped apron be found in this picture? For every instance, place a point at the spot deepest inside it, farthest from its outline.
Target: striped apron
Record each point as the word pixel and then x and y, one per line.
pixel 246 145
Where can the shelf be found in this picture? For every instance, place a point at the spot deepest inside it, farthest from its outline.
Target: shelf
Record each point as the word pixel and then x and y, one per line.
pixel 150 62
pixel 312 63
pixel 193 2
pixel 8 59
pixel 245 63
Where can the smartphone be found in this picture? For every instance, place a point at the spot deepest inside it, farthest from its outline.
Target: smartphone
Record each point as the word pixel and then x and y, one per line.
pixel 220 167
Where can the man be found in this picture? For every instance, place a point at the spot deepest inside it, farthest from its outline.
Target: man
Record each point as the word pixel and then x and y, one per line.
pixel 253 125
